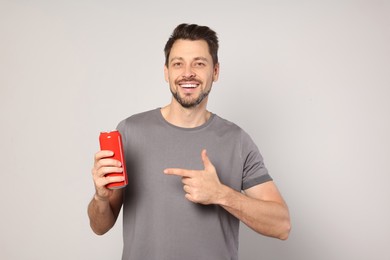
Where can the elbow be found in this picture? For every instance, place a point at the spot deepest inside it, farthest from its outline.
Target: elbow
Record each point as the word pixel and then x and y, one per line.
pixel 98 230
pixel 285 230
pixel 284 236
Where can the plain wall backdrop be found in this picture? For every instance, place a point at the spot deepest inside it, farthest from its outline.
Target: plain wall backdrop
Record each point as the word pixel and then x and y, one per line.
pixel 308 80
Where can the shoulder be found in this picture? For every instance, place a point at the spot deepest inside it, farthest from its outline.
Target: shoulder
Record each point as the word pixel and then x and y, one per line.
pixel 233 131
pixel 137 123
pixel 141 116
pixel 138 118
pixel 224 126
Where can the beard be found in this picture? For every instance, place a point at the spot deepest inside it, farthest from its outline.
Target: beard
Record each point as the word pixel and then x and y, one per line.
pixel 187 101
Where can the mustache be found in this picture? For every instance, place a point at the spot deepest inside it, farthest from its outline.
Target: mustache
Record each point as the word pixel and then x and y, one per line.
pixel 189 80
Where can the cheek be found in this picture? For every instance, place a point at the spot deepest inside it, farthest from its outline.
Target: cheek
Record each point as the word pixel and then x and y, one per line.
pixel 166 76
pixel 171 76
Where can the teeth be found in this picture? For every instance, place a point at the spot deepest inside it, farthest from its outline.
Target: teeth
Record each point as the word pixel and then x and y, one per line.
pixel 188 85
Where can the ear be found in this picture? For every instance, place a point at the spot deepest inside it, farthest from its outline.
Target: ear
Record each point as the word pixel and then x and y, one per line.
pixel 216 72
pixel 166 74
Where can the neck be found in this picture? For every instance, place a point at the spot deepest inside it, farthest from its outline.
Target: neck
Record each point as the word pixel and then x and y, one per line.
pixel 179 116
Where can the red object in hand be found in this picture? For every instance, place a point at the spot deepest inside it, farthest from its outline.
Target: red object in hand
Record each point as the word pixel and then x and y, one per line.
pixel 112 141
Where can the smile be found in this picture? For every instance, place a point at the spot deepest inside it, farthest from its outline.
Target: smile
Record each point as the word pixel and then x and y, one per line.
pixel 188 85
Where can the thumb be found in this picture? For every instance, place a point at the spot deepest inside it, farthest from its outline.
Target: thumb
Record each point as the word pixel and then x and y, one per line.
pixel 206 161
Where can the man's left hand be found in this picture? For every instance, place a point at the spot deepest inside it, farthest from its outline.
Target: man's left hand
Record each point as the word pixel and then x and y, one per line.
pixel 201 186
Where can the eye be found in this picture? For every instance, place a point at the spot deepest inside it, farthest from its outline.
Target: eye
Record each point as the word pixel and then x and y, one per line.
pixel 176 64
pixel 200 64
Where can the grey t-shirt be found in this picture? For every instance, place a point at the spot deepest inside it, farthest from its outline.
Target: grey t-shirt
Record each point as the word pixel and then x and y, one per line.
pixel 158 221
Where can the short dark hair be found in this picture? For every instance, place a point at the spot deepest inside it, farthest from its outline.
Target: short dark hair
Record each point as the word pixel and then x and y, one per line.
pixel 193 32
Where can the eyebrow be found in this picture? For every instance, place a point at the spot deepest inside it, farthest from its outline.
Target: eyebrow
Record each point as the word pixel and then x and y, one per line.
pixel 196 59
pixel 175 58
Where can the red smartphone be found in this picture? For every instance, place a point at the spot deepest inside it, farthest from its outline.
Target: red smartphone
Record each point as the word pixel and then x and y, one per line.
pixel 112 141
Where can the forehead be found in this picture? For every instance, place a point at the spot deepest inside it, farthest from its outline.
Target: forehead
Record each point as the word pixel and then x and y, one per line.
pixel 190 49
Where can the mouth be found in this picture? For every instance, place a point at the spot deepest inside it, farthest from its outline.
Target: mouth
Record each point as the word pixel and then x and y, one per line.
pixel 189 84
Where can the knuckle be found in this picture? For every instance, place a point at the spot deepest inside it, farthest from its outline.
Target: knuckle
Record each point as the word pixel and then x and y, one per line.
pixel 97 156
pixel 99 163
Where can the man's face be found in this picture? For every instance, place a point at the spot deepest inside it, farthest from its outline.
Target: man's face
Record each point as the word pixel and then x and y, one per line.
pixel 190 72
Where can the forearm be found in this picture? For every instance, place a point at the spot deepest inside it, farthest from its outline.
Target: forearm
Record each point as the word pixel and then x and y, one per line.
pixel 268 218
pixel 101 215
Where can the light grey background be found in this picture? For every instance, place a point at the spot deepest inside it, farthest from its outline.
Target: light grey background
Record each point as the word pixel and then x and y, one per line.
pixel 308 80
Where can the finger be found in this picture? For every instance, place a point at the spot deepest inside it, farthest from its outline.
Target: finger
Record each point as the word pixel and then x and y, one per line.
pixel 108 162
pixel 108 170
pixel 102 182
pixel 103 154
pixel 206 161
pixel 189 197
pixel 186 188
pixel 179 172
pixel 103 171
pixel 187 180
pixel 112 179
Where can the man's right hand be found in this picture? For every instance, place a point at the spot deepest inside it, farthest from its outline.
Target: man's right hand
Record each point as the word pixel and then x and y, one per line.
pixel 103 165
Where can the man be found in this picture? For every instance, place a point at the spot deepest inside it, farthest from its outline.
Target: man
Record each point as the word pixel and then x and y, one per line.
pixel 192 175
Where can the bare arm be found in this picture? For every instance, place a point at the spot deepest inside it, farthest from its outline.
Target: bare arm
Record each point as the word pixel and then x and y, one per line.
pixel 103 213
pixel 260 208
pixel 104 208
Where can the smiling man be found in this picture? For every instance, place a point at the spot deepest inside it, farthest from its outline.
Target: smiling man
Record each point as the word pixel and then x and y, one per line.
pixel 193 176
pixel 190 72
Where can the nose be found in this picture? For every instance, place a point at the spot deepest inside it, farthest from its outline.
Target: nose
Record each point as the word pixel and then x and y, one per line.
pixel 188 72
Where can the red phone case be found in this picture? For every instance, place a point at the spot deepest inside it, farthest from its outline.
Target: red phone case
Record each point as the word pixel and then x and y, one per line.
pixel 112 141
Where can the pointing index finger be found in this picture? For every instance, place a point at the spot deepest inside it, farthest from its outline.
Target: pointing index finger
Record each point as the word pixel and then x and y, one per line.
pixel 179 172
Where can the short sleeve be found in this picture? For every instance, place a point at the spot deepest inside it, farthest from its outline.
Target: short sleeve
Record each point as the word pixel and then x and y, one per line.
pixel 254 170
